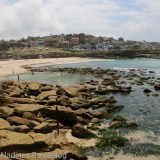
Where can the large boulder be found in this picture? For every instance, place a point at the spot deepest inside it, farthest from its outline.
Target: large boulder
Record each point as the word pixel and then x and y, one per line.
pixel 65 115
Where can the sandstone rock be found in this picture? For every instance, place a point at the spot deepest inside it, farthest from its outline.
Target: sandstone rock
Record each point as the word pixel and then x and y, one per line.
pixel 110 108
pixel 44 95
pixel 102 90
pixel 23 100
pixel 95 120
pixel 22 85
pixel 21 128
pixel 33 88
pixel 20 142
pixel 6 111
pixel 34 108
pixel 126 89
pixel 116 124
pixel 29 115
pixel 72 91
pixel 97 113
pixel 46 88
pixel 45 127
pixel 81 120
pixel 121 89
pixel 52 97
pixel 93 82
pixel 115 89
pixel 108 82
pixel 63 100
pixel 65 115
pixel 119 118
pixel 4 124
pixel 109 77
pixel 21 121
pixel 78 102
pixel 81 111
pixel 52 100
pixel 16 93
pixel 84 113
pixel 80 132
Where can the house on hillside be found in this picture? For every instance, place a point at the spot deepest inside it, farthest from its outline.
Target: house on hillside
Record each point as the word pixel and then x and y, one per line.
pixel 51 42
pixel 75 41
pixel 65 44
pixel 102 46
pixel 37 43
pixel 87 46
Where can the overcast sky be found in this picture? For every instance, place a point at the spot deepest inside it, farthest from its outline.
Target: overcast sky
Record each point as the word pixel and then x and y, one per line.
pixel 131 19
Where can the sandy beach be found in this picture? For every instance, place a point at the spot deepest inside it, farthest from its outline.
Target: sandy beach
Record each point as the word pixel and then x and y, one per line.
pixel 10 66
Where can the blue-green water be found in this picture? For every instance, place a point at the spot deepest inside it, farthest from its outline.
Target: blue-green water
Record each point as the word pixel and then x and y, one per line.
pixel 150 64
pixel 65 79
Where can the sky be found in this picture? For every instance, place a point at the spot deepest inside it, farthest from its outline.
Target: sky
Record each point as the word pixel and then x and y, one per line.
pixel 131 19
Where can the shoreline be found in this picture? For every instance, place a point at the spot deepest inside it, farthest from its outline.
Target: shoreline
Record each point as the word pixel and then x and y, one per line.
pixel 20 66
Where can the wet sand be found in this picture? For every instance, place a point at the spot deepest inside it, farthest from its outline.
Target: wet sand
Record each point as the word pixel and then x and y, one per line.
pixel 10 67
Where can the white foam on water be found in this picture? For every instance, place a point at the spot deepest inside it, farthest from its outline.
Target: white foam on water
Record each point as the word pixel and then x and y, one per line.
pixel 139 137
pixel 124 69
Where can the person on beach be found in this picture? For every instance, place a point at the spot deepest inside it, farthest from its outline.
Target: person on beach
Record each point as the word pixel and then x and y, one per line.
pixel 13 72
pixel 18 77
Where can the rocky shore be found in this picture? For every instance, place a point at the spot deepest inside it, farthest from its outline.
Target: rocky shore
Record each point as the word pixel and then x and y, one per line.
pixel 66 121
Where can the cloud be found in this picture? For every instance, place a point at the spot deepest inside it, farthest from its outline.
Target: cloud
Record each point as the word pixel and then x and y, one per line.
pixel 133 19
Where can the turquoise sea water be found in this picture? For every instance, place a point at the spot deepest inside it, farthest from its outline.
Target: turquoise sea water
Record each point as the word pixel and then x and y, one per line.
pixel 151 64
pixel 139 107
